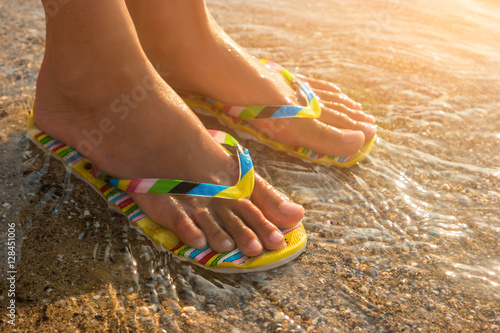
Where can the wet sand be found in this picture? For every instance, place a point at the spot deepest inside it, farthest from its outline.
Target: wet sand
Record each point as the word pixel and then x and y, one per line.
pixel 383 254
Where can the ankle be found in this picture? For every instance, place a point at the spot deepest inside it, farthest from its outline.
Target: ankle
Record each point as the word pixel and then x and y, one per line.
pixel 178 11
pixel 166 28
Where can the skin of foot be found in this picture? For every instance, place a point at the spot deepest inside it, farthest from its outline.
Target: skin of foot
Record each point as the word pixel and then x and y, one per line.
pixel 97 92
pixel 193 54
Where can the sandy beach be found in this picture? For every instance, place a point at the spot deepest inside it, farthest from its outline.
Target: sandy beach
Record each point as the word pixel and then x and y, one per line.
pixel 407 241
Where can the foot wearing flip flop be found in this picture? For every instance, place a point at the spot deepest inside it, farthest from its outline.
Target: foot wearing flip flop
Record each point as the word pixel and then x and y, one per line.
pixel 193 54
pixel 98 93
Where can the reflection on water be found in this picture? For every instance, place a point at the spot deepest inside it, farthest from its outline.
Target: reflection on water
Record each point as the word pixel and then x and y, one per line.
pixel 408 239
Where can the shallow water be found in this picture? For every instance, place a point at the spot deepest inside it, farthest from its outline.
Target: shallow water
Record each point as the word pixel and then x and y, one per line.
pixel 407 240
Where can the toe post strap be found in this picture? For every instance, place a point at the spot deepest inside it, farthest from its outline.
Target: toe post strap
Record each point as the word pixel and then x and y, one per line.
pixel 243 188
pixel 237 116
pixel 311 109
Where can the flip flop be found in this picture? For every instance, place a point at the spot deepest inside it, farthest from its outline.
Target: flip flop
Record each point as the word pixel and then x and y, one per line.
pixel 234 116
pixel 113 190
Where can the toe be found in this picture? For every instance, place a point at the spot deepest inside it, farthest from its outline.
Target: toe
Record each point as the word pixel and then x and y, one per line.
pixel 187 231
pixel 218 239
pixel 327 90
pixel 342 120
pixel 357 115
pixel 324 138
pixel 320 84
pixel 313 134
pixel 246 239
pixel 268 234
pixel 169 212
pixel 275 206
pixel 340 98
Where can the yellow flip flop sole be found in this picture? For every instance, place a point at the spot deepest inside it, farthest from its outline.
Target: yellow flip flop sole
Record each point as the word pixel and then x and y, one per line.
pixel 229 262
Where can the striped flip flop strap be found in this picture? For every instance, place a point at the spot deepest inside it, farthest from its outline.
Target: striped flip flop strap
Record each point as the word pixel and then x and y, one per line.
pixel 312 109
pixel 243 188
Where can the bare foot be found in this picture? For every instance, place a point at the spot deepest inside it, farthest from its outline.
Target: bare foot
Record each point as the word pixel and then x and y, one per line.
pixel 194 54
pixel 97 92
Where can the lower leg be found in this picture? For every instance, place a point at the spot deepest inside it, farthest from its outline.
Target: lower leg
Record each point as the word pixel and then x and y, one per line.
pixel 93 73
pixel 94 60
pixel 182 39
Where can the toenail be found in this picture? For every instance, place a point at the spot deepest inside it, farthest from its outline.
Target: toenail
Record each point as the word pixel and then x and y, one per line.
pixel 254 246
pixel 227 244
pixel 372 129
pixel 276 237
pixel 199 243
pixel 351 137
pixel 289 208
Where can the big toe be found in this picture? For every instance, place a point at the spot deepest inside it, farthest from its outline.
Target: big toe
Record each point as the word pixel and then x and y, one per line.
pixel 275 206
pixel 350 142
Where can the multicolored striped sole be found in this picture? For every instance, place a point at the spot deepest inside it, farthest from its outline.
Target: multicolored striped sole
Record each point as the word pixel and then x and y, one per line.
pixel 234 116
pixel 229 262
